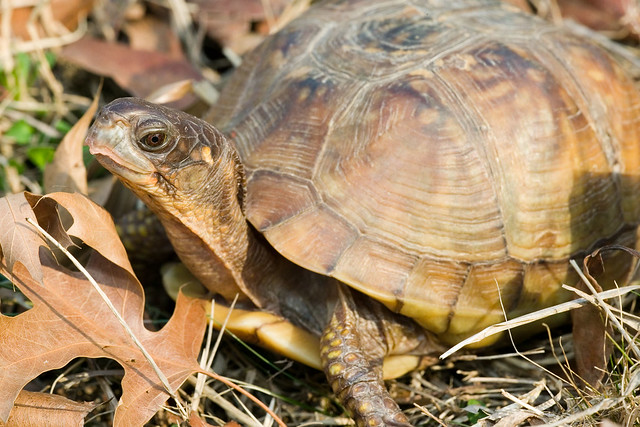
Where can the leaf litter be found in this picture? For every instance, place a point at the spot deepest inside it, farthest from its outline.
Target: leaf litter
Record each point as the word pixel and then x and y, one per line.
pixel 69 320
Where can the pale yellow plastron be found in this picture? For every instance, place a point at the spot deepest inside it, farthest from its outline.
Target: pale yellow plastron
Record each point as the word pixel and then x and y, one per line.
pixel 269 330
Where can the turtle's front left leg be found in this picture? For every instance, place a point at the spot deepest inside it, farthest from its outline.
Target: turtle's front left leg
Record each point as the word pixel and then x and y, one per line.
pixel 360 333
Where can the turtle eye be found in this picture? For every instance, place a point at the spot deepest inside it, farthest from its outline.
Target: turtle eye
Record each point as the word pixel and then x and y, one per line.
pixel 153 141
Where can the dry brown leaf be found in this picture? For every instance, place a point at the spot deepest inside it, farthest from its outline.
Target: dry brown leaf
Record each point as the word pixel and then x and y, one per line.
pixel 239 24
pixel 592 346
pixel 67 12
pixel 140 72
pixel 619 16
pixel 18 240
pixel 515 419
pixel 47 410
pixel 171 92
pixel 153 34
pixel 70 320
pixel 94 226
pixel 67 172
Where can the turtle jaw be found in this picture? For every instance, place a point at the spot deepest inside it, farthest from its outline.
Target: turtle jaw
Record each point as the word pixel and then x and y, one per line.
pixel 110 140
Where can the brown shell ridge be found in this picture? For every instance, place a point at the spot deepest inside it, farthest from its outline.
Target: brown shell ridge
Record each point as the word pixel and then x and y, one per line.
pixel 338 72
pixel 474 123
pixel 349 155
pixel 603 113
pixel 433 20
pixel 529 85
pixel 269 55
pixel 328 268
pixel 258 220
pixel 336 117
pixel 446 7
pixel 592 110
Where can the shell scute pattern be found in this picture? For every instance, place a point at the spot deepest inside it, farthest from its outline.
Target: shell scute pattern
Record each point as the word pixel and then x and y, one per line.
pixel 438 155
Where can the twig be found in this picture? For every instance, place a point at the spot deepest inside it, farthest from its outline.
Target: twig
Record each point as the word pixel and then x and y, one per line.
pixel 159 373
pixel 6 57
pixel 246 393
pixel 522 403
pixel 195 399
pixel 42 127
pixel 582 416
pixel 425 411
pixel 536 315
pixel 222 329
pixel 207 360
pixel 218 398
pixel 50 42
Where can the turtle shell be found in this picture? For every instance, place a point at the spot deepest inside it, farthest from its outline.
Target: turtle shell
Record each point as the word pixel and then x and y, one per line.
pixel 446 158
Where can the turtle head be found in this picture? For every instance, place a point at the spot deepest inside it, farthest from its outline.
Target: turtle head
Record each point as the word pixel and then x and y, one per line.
pixel 167 157
pixel 188 174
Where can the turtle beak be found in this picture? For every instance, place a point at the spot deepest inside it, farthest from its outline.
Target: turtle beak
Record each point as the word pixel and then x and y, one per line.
pixel 111 140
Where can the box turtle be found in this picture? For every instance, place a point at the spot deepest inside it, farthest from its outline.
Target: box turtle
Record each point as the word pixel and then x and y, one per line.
pixel 385 177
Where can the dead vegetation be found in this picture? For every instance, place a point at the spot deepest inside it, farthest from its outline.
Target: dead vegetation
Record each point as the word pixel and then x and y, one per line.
pixel 49 56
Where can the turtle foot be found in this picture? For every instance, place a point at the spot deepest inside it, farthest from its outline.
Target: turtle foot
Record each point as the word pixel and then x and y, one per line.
pixel 352 349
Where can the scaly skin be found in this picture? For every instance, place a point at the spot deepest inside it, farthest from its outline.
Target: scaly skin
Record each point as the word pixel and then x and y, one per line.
pixel 355 375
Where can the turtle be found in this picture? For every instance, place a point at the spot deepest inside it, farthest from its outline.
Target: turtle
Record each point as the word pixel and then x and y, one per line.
pixel 382 179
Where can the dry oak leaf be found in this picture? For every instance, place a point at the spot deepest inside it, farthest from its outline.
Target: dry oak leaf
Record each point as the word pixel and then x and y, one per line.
pixel 70 320
pixel 33 409
pixel 67 171
pixel 139 72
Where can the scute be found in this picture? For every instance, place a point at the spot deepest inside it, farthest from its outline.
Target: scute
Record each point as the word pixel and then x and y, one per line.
pixel 281 197
pixel 318 236
pixel 438 158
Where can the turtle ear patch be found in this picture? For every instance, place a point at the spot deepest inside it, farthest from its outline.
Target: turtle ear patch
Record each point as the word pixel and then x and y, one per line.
pixel 205 152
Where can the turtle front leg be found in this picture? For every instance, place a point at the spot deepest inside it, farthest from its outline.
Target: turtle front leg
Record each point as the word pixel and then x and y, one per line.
pixel 360 333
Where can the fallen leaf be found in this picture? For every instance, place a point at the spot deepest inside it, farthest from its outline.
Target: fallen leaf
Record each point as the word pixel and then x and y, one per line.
pixel 592 346
pixel 171 92
pixel 240 25
pixel 153 34
pixel 617 16
pixel 69 319
pixel 67 172
pixel 94 226
pixel 67 12
pixel 522 4
pixel 47 410
pixel 19 241
pixel 140 72
pixel 516 419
